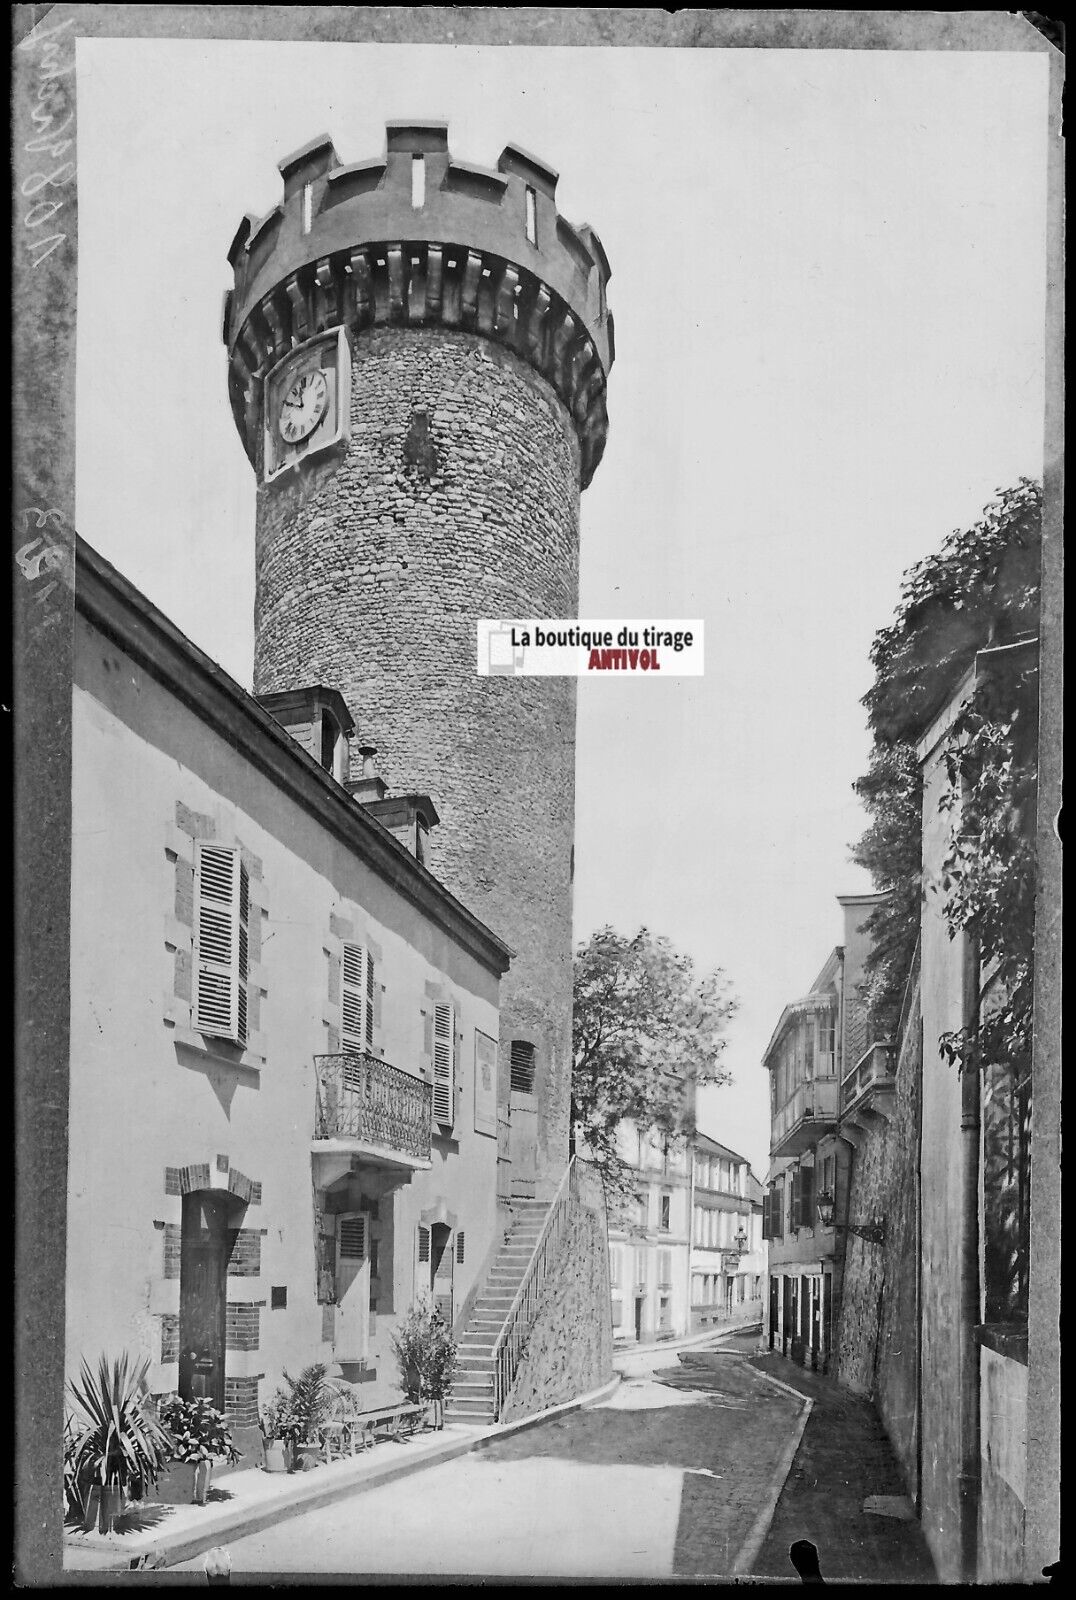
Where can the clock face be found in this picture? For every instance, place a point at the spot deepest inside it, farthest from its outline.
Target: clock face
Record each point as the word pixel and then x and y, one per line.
pixel 303 406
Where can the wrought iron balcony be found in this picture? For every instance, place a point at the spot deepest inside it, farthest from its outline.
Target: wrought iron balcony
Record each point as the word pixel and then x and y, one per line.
pixel 868 1091
pixel 810 1112
pixel 369 1107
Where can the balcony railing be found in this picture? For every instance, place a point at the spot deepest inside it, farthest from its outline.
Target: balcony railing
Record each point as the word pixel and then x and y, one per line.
pixel 808 1111
pixel 877 1067
pixel 362 1098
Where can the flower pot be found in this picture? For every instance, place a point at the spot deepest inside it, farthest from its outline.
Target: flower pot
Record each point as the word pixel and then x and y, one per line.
pixel 104 1504
pixel 309 1453
pixel 276 1457
pixel 182 1483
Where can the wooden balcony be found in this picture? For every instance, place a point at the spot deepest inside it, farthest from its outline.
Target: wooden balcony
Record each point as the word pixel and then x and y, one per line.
pixel 367 1108
pixel 869 1091
pixel 809 1114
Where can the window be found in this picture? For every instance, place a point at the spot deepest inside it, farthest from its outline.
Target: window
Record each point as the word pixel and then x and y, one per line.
pixel 614 1268
pixel 357 999
pixel 665 1268
pixel 806 1217
pixel 666 1211
pixel 221 933
pixel 532 219
pixel 1006 1192
pixel 827 1036
pixel 444 1064
pixel 644 1211
pixel 308 206
pixel 640 1266
pixel 278 1297
pixel 351 1237
pixel 521 1067
pixel 418 181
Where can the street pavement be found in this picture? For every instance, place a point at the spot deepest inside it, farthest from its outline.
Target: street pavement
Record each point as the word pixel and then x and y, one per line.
pixel 684 1472
pixel 598 1493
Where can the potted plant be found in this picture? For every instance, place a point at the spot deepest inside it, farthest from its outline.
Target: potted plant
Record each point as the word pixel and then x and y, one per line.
pixel 199 1436
pixel 306 1405
pixel 427 1356
pixel 274 1432
pixel 121 1444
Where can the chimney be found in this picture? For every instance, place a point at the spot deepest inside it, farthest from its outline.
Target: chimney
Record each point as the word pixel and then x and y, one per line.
pixel 371 786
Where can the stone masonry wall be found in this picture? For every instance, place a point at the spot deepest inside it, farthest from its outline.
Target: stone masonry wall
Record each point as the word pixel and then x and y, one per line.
pixel 876 1353
pixel 457 497
pixel 570 1351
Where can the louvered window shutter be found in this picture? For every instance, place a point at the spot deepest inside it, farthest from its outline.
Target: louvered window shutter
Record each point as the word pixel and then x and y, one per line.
pixel 766 1215
pixel 356 1030
pixel 444 1064
pixel 351 1234
pixel 221 942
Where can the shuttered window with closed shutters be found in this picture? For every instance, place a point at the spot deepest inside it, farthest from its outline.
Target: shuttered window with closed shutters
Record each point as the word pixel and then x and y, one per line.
pixel 444 1064
pixel 357 998
pixel 351 1235
pixel 522 1067
pixel 221 942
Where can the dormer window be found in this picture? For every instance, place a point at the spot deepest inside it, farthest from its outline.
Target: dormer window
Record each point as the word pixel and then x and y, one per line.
pixel 318 720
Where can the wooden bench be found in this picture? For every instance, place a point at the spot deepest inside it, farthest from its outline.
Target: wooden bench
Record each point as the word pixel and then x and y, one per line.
pixel 347 1435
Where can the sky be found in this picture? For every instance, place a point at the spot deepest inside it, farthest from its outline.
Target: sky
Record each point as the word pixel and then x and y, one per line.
pixel 828 281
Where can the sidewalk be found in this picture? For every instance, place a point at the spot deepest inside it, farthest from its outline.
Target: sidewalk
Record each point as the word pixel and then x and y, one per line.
pixel 844 1465
pixel 242 1503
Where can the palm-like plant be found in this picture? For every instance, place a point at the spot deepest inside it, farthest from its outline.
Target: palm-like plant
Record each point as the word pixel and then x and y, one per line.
pixel 122 1442
pixel 308 1403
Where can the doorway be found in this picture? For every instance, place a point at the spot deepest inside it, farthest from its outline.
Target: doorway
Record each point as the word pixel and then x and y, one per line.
pixel 203 1265
pixel 441 1259
pixel 773 1311
pixel 638 1319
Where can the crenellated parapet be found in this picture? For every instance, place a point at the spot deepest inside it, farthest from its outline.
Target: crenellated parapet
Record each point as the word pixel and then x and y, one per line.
pixel 417 239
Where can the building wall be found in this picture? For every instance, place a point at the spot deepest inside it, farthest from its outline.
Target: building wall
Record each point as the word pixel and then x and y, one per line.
pixel 372 570
pixel 1003 1463
pixel 942 1177
pixel 877 1342
pixel 650 1263
pixel 148 1098
pixel 570 1350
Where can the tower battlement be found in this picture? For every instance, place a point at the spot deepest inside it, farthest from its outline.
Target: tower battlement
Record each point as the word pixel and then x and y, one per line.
pixel 419 239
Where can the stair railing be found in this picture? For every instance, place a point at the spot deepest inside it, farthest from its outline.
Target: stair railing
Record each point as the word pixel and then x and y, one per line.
pixel 512 1339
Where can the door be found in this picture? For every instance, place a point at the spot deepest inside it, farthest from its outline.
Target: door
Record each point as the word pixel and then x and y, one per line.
pixel 522 1117
pixel 203 1264
pixel 773 1311
pixel 816 1321
pixel 441 1260
pixel 638 1318
pixel 352 1286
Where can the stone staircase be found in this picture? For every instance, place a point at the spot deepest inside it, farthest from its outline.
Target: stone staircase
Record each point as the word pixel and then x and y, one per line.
pixel 471 1399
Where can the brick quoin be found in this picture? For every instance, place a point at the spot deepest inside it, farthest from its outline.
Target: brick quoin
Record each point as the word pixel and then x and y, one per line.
pixel 242 1325
pixel 245 1257
pixel 241 1402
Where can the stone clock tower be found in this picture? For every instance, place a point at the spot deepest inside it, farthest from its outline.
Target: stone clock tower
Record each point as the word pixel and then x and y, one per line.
pixel 418 354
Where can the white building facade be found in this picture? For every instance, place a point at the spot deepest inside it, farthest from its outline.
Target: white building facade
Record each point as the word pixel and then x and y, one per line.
pixel 727 1258
pixel 649 1240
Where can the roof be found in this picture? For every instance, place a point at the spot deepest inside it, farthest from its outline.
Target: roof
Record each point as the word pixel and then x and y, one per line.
pixel 702 1141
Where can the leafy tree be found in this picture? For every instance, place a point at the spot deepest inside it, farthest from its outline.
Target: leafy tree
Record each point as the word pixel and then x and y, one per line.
pixel 981 588
pixel 647 1031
